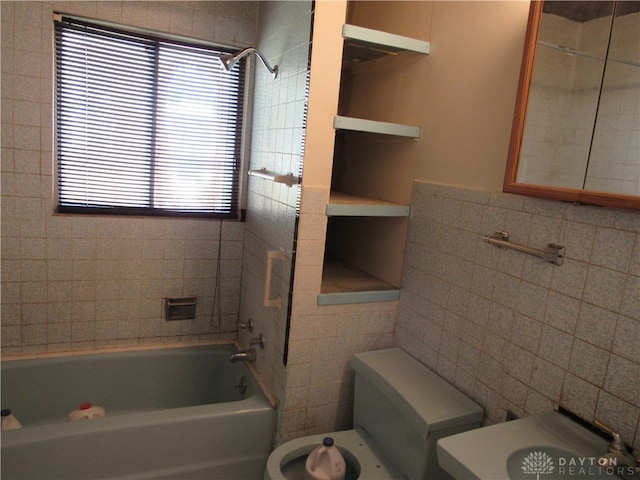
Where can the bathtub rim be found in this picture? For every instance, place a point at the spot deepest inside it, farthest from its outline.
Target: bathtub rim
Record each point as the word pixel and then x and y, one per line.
pixel 260 381
pixel 52 431
pixel 105 350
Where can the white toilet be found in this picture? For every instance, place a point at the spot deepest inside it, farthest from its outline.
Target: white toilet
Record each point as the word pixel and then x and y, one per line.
pixel 401 408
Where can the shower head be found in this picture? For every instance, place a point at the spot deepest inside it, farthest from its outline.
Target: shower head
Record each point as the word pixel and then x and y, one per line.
pixel 228 61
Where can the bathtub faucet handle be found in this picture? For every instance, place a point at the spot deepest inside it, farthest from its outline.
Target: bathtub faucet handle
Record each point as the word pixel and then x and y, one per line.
pixel 248 325
pixel 260 340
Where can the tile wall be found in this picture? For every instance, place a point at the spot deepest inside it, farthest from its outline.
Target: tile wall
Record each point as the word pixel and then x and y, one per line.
pixel 278 129
pixel 516 333
pixel 84 282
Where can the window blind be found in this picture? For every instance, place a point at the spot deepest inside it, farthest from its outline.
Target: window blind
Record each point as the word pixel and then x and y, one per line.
pixel 145 125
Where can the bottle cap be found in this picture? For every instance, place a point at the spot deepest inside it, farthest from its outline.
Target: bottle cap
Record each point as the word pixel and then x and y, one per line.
pixel 327 441
pixel 5 412
pixel 85 406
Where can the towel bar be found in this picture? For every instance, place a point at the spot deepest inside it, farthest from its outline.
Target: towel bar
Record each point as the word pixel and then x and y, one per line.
pixel 552 253
pixel 287 179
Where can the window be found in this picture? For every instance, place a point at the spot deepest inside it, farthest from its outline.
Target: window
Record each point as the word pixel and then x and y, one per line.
pixel 145 125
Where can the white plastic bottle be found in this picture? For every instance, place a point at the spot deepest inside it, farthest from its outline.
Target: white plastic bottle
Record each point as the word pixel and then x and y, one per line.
pixel 86 411
pixel 9 422
pixel 325 462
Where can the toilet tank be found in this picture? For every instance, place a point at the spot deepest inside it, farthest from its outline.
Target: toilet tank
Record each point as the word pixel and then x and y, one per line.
pixel 405 408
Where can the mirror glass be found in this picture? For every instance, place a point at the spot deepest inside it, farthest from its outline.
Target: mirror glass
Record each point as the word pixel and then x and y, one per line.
pixel 614 161
pixel 576 130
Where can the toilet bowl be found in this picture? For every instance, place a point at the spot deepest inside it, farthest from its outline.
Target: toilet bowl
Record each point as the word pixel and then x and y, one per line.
pixel 401 408
pixel 363 461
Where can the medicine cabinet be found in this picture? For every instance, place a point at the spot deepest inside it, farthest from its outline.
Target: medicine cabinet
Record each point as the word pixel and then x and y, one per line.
pixel 576 129
pixel 373 160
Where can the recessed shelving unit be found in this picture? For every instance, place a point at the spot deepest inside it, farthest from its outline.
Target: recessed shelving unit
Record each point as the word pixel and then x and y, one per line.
pixel 364 248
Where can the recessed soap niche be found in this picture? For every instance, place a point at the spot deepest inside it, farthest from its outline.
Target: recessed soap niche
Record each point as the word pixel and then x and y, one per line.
pixel 180 308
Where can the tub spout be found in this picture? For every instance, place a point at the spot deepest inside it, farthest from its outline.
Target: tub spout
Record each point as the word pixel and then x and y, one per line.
pixel 243 356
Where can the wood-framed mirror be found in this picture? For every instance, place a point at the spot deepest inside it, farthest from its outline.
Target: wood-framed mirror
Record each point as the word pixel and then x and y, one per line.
pixel 576 125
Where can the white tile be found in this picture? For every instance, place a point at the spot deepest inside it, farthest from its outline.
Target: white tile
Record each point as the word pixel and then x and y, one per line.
pixel 613 248
pixel 621 379
pixel 604 287
pixel 589 362
pixel 579 396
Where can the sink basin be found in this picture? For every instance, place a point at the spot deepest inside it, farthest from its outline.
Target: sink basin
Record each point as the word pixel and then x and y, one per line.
pixel 542 447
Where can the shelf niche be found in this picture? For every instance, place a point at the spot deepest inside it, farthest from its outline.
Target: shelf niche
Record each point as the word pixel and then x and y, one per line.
pixel 362 255
pixel 376 145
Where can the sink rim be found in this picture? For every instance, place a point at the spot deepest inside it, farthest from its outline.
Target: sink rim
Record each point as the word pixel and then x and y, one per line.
pixel 495 444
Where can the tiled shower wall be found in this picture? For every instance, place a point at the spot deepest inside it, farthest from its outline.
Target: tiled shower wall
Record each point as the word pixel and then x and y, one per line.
pixel 83 282
pixel 277 145
pixel 516 333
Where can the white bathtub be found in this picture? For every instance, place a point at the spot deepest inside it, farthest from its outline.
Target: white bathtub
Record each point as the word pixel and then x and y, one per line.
pixel 170 413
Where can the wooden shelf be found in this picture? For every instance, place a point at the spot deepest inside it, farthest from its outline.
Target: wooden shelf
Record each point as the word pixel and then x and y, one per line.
pixel 343 205
pixel 372 126
pixel 342 284
pixel 364 44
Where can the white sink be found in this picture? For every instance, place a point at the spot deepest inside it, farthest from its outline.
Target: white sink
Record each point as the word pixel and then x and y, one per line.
pixel 548 446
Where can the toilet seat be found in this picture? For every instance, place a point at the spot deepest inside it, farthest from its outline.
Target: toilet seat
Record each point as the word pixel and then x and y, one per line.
pixel 356 448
